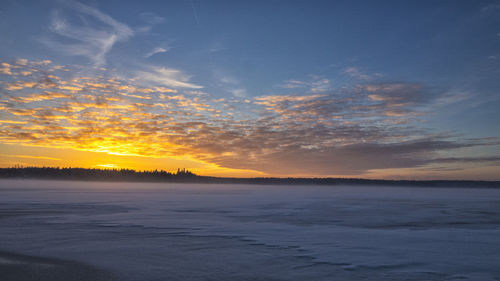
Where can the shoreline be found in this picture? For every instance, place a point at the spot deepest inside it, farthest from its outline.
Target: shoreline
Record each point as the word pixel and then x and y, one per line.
pixel 186 176
pixel 285 181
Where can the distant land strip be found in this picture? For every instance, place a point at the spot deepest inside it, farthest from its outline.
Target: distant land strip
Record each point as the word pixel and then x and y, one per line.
pixel 183 175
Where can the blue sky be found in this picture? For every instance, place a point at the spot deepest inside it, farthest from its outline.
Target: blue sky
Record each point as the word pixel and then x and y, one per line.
pixel 403 72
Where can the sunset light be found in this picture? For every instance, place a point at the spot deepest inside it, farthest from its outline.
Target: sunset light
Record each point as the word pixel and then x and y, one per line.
pixel 88 90
pixel 242 140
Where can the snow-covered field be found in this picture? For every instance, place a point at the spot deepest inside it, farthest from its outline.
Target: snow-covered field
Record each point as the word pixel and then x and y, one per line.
pixel 50 230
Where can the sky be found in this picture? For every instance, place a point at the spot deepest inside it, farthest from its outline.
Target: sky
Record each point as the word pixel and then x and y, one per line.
pixel 370 89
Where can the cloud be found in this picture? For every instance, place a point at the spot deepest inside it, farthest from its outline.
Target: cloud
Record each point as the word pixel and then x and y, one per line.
pixel 151 18
pixel 12 122
pixel 156 50
pixel 353 159
pixel 398 94
pixel 93 36
pixel 356 73
pixel 30 156
pixel 239 92
pixel 336 132
pixel 467 159
pixel 316 84
pixel 293 84
pixel 46 95
pixel 452 97
pixel 320 85
pixel 22 62
pixel 167 77
pixel 6 68
pixel 382 103
pixel 231 84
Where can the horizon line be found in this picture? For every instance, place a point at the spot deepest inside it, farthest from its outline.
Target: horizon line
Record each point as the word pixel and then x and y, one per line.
pixel 185 171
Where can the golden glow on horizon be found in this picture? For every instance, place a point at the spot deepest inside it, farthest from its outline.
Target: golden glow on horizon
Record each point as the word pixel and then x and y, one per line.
pixel 108 166
pixel 53 117
pixel 67 157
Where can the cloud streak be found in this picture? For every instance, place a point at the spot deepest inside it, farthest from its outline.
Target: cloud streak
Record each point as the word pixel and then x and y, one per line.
pixel 356 73
pixel 157 50
pixel 92 37
pixel 168 77
pixel 30 156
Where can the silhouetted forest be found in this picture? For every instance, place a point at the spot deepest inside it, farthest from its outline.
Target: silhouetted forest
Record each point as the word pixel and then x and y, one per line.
pixel 183 175
pixel 95 174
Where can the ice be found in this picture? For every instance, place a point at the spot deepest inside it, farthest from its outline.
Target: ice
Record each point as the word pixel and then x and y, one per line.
pixel 158 231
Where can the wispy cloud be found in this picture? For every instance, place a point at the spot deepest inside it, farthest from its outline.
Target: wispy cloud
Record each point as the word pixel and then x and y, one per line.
pixel 467 159
pixel 30 156
pixel 166 77
pixel 315 84
pixel 155 51
pixel 151 18
pixel 12 122
pixel 320 85
pixel 241 93
pixel 231 84
pixel 356 73
pixel 92 36
pixel 293 84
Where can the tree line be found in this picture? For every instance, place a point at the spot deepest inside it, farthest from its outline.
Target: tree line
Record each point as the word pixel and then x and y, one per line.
pixel 95 174
pixel 183 175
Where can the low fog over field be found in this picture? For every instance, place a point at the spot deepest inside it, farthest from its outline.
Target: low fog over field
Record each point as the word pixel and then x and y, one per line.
pixel 61 230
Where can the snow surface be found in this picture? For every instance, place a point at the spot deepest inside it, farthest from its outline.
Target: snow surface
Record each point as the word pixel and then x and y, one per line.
pixel 157 231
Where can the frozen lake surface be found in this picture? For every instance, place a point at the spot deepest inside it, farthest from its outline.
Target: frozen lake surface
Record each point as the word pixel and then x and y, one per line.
pixel 69 230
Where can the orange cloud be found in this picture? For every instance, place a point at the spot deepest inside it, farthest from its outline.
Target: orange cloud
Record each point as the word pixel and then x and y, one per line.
pixel 350 132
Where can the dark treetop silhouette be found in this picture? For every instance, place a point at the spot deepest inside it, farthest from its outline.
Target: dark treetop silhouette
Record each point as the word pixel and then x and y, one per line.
pixel 183 175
